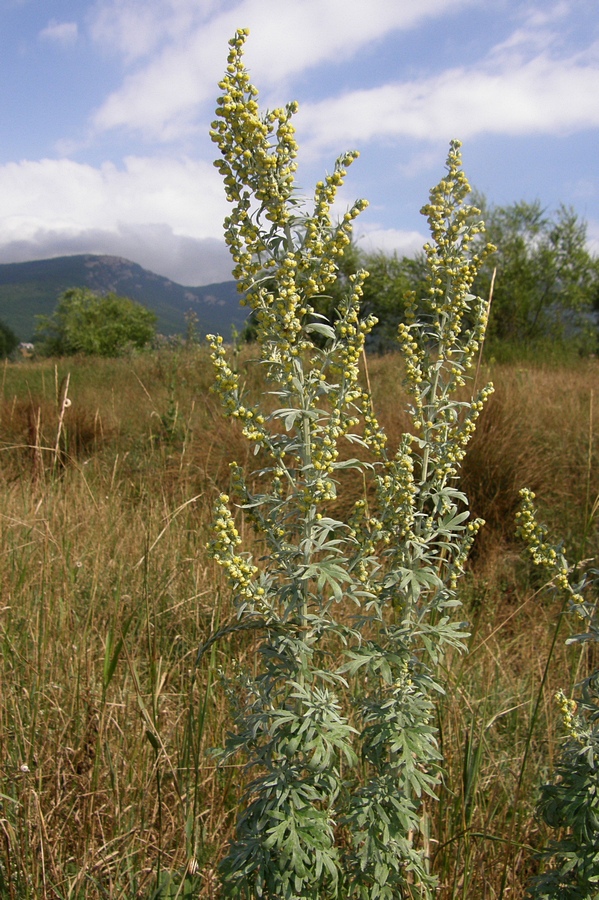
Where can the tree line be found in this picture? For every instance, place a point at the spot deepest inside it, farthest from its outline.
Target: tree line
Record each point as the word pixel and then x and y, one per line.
pixel 543 279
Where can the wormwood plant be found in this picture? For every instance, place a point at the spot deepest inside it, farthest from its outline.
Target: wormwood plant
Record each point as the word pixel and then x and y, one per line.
pixel 342 754
pixel 569 804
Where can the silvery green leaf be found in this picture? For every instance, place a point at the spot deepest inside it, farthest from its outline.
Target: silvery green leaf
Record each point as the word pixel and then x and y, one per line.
pixel 320 328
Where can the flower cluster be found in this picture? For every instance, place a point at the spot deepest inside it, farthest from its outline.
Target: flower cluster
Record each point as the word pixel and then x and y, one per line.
pixel 282 269
pixel 398 493
pixel 443 332
pixel 352 333
pixel 458 564
pixel 541 551
pixel 252 163
pixel 240 571
pixel 374 437
pixel 452 265
pixel 568 708
pixel 227 384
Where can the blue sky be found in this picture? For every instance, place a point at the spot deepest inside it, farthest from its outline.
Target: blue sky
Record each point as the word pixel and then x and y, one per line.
pixel 105 108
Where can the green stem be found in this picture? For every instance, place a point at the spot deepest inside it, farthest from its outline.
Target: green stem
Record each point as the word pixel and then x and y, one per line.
pixel 307 530
pixel 533 722
pixel 432 403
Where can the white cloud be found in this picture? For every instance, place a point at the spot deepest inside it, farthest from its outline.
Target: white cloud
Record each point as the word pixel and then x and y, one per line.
pixel 312 32
pixel 60 32
pixel 161 98
pixel 186 193
pixel 135 28
pixel 188 261
pixel 377 239
pixel 542 95
pixel 161 211
pixel 165 212
pixel 548 14
pixel 178 48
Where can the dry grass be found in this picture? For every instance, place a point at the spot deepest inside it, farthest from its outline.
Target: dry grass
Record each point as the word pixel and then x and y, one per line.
pixel 107 787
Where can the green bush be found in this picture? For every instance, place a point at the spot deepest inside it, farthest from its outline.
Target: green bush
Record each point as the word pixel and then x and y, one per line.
pixel 84 322
pixel 8 341
pixel 546 280
pixel 545 296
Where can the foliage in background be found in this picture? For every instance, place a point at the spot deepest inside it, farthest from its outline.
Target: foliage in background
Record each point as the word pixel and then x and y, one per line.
pixel 84 322
pixel 8 340
pixel 341 756
pixel 547 282
pixel 545 293
pixel 391 280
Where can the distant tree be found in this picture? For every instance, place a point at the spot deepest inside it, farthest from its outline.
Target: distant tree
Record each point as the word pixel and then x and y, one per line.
pixel 8 341
pixel 547 281
pixel 546 285
pixel 84 322
pixel 390 278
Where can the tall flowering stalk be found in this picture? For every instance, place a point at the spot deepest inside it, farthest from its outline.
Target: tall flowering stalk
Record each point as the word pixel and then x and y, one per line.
pixel 569 803
pixel 353 617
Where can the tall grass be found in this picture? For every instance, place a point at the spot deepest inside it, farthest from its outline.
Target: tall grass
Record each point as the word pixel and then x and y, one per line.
pixel 107 785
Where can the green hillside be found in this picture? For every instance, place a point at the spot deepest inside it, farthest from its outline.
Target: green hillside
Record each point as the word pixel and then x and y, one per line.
pixel 31 289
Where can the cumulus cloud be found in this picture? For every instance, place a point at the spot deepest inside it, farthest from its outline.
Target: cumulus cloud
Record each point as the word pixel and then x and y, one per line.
pixel 377 239
pixel 60 32
pixel 175 49
pixel 161 97
pixel 165 211
pixel 133 29
pixel 542 95
pixel 186 193
pixel 185 260
pixel 55 207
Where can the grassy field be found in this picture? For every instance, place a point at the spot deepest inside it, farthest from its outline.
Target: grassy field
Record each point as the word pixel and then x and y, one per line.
pixel 108 788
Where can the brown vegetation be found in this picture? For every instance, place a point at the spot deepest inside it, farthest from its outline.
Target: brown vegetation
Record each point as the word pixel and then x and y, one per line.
pixel 107 786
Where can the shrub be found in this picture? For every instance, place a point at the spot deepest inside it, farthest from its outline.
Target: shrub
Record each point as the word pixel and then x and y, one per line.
pixel 84 322
pixel 341 756
pixel 8 340
pixel 547 281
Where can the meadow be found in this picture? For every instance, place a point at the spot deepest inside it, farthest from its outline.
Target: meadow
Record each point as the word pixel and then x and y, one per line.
pixel 108 787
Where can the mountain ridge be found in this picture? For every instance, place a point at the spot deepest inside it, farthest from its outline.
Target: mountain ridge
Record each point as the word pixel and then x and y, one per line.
pixel 30 289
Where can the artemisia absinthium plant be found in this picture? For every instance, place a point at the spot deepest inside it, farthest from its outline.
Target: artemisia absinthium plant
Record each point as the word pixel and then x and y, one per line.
pixel 569 803
pixel 341 753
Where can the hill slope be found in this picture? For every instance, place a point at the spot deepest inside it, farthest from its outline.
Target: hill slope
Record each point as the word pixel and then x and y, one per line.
pixel 32 288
